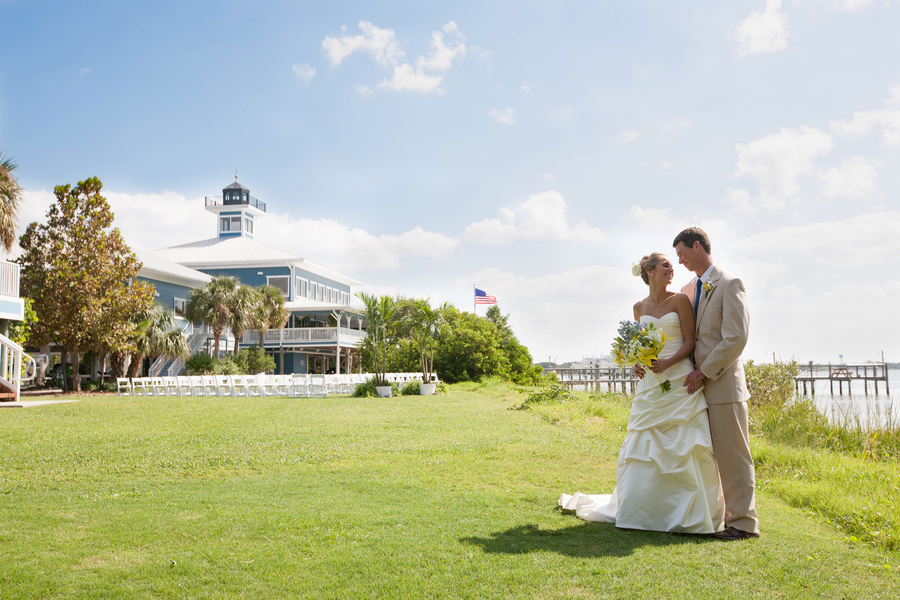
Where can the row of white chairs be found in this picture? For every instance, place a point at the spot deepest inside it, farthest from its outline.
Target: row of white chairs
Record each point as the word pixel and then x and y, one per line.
pixel 298 385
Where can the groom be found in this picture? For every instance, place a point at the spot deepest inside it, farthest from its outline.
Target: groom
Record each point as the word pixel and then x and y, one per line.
pixel 722 320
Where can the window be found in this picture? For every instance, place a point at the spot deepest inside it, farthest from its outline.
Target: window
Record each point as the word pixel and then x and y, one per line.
pixel 301 288
pixel 327 294
pixel 180 307
pixel 320 295
pixel 281 283
pixel 345 298
pixel 230 224
pixel 248 225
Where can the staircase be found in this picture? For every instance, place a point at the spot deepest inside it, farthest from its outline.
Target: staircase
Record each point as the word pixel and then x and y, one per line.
pixel 13 364
pixel 171 367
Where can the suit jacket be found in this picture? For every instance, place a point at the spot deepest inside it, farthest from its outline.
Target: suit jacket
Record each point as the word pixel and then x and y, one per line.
pixel 721 334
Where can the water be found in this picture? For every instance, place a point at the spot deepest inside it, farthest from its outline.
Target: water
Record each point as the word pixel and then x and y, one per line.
pixel 854 405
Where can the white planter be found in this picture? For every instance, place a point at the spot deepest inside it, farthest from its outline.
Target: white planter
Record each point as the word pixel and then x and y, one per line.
pixel 383 391
pixel 427 389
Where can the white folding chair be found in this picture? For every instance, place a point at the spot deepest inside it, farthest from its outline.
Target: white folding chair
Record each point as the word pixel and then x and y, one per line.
pixel 183 383
pixel 256 384
pixel 299 385
pixel 223 385
pixel 123 386
pixel 140 386
pixel 172 388
pixel 318 388
pixel 282 385
pixel 198 387
pixel 238 385
pixel 210 385
pixel 157 386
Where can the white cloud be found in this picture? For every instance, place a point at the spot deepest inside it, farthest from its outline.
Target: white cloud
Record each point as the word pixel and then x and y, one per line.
pixel 507 117
pixel 442 56
pixel 663 219
pixel 548 176
pixel 380 43
pixel 177 220
pixel 525 87
pixel 677 125
pixel 854 179
pixel 851 5
pixel 869 238
pixel 863 121
pixel 629 136
pixel 787 293
pixel 304 72
pixel 778 161
pixel 85 71
pixel 541 217
pixel 763 31
pixel 665 166
pixel 362 90
pixel 406 78
pixel 741 200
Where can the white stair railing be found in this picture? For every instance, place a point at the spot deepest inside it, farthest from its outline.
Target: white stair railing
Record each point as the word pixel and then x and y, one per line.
pixel 12 358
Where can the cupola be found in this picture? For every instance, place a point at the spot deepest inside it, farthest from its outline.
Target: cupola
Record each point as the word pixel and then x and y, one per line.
pixel 236 210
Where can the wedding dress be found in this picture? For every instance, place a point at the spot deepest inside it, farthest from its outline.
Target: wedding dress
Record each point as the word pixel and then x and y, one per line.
pixel 666 476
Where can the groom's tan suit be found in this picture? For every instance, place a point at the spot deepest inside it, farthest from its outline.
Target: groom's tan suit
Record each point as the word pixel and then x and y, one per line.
pixel 721 334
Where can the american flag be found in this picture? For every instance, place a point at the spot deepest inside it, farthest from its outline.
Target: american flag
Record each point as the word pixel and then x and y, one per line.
pixel 482 298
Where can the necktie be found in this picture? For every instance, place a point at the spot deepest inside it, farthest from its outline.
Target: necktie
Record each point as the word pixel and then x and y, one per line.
pixel 697 296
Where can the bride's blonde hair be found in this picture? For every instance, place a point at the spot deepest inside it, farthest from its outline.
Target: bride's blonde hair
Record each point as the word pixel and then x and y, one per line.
pixel 648 263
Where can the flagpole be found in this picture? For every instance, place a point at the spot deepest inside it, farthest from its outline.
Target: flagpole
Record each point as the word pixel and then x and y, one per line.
pixel 474 304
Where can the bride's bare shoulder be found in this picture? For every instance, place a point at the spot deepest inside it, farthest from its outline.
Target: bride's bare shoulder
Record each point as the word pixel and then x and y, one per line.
pixel 680 299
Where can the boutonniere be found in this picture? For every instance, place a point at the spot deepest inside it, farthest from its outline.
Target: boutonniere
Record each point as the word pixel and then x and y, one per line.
pixel 709 286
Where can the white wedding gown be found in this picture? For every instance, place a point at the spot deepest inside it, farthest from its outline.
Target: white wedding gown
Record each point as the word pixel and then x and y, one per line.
pixel 666 476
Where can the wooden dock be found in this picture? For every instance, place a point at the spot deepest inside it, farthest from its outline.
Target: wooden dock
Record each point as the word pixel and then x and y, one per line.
pixel 873 373
pixel 593 379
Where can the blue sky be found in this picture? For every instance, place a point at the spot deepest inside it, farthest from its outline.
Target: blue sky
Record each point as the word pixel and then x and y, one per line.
pixel 536 149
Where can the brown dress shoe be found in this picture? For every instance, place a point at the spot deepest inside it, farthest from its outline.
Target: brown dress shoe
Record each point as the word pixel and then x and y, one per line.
pixel 732 534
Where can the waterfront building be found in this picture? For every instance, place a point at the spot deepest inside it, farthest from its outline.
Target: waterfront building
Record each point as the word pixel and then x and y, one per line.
pixel 324 329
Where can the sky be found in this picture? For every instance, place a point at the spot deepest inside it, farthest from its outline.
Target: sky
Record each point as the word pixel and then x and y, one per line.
pixel 533 149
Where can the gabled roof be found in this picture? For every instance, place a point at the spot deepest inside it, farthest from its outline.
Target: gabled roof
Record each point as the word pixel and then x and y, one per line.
pixel 243 252
pixel 154 267
pixel 219 252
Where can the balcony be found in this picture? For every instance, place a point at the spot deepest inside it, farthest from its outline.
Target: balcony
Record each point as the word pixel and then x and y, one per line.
pixel 9 279
pixel 306 336
pixel 217 201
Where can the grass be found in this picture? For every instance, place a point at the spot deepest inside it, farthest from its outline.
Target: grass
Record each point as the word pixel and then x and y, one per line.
pixel 413 497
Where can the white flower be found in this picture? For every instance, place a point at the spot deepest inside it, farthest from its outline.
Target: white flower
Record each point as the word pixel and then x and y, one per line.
pixel 636 270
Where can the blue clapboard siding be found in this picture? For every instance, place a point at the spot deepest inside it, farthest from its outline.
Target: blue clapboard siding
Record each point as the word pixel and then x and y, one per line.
pixel 167 292
pixel 250 276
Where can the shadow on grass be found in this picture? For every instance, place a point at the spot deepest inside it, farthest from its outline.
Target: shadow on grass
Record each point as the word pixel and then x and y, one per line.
pixel 581 540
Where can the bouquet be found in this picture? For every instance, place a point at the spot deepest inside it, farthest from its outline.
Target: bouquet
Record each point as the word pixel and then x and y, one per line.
pixel 639 343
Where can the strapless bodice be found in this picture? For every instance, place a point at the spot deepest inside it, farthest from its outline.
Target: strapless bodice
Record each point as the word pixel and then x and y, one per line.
pixel 670 323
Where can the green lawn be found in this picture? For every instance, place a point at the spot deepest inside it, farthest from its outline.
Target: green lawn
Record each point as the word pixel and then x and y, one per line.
pixel 439 497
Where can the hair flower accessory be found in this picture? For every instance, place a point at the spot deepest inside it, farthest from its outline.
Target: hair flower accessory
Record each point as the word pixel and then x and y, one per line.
pixel 636 270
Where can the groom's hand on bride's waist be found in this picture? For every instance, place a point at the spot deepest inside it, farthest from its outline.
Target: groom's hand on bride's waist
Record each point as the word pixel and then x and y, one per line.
pixel 694 380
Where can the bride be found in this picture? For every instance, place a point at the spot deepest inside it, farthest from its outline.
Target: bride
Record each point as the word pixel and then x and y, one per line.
pixel 666 475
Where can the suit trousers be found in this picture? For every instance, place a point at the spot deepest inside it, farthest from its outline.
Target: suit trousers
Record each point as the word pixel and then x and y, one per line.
pixel 730 429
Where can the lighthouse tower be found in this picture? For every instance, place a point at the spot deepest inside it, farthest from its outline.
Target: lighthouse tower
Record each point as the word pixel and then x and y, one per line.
pixel 236 210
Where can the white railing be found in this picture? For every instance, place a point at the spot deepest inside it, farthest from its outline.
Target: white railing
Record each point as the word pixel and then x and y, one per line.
pixel 11 359
pixel 9 279
pixel 304 334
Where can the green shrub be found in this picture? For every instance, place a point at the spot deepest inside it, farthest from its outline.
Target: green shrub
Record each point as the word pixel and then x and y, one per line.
pixel 200 364
pixel 367 390
pixel 771 385
pixel 410 389
pixel 554 394
pixel 110 386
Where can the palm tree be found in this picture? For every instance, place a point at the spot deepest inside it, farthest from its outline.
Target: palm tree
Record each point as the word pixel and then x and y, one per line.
pixel 426 324
pixel 211 305
pixel 10 202
pixel 157 335
pixel 380 313
pixel 242 311
pixel 271 313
